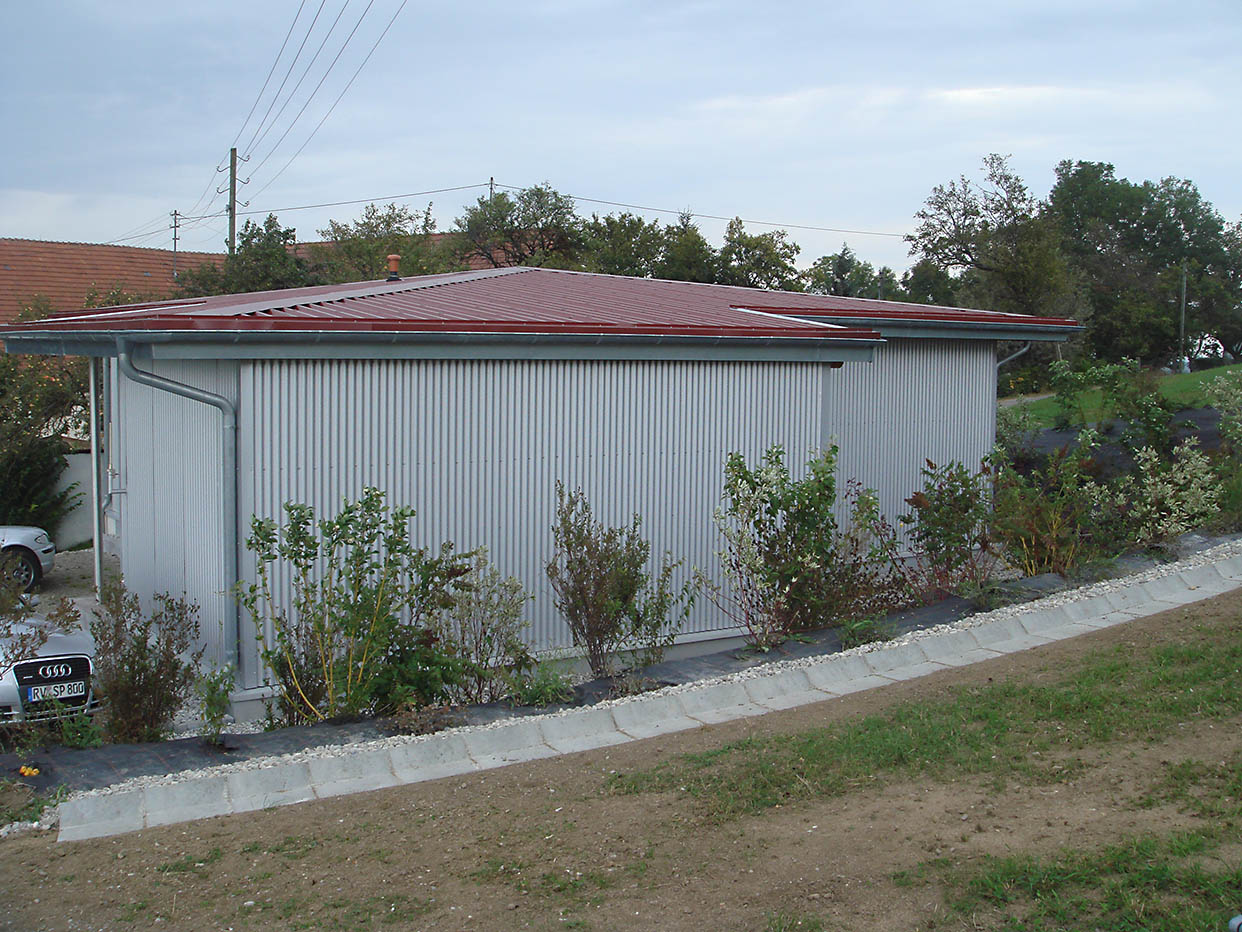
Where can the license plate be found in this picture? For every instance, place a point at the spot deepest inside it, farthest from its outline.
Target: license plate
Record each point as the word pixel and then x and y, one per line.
pixel 57 691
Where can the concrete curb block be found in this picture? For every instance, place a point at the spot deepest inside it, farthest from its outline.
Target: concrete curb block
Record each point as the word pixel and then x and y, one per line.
pixel 450 753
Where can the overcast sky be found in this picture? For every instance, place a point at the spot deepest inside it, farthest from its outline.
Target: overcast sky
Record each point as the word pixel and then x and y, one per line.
pixel 836 114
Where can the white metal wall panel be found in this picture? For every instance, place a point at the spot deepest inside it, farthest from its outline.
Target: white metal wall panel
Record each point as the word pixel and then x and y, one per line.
pixel 169 462
pixel 919 400
pixel 477 446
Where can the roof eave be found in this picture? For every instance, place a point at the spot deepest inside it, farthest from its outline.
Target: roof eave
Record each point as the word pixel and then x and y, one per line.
pixel 953 329
pixel 247 344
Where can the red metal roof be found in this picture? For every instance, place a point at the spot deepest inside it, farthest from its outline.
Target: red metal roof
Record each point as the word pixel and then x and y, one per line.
pixel 527 300
pixel 521 300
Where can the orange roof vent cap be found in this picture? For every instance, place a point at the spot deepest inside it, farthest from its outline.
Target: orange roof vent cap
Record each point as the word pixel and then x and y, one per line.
pixel 394 268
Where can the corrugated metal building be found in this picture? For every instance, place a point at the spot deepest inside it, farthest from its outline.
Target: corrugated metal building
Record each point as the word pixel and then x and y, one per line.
pixel 467 396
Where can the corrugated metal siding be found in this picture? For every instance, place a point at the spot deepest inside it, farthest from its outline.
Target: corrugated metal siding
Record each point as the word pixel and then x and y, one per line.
pixel 169 459
pixel 918 400
pixel 477 446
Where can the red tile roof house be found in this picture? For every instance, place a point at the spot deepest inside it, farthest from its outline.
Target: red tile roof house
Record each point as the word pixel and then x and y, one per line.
pixel 468 395
pixel 64 273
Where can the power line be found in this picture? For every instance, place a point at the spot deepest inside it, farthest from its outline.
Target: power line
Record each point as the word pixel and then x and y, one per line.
pixel 305 72
pixel 764 223
pixel 361 200
pixel 133 231
pixel 344 91
pixel 270 72
pixel 316 91
pixel 285 79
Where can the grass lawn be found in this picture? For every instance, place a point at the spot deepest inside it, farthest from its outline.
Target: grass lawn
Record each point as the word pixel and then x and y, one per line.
pixel 1093 783
pixel 1185 391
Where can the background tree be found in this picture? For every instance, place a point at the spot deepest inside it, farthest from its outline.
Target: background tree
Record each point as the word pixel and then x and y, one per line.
pixel 686 255
pixel 927 283
pixel 265 260
pixel 996 235
pixel 538 227
pixel 359 250
pixel 622 244
pixel 1128 243
pixel 758 260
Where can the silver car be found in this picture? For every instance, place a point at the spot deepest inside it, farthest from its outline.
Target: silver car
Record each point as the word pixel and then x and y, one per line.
pixel 54 682
pixel 27 553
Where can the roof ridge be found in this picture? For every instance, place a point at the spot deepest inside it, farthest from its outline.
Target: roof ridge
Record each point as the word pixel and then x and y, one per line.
pixel 69 242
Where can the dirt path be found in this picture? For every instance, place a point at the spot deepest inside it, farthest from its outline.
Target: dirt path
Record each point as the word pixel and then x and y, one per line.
pixel 546 846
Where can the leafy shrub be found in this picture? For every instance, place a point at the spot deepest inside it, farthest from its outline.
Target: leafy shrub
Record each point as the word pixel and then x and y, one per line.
pixel 29 475
pixel 544 684
pixel 484 629
pixel 144 665
pixel 362 593
pixel 1228 518
pixel 23 630
pixel 1224 393
pixel 950 531
pixel 1164 498
pixel 418 671
pixel 214 691
pixel 1016 433
pixel 789 565
pixel 604 591
pixel 1133 395
pixel 1057 517
pixel 1071 382
pixel 40 398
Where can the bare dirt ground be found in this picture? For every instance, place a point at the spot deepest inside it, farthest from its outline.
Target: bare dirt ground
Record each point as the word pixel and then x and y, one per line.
pixel 546 846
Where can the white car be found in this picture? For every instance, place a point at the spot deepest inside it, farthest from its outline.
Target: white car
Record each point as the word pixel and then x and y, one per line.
pixel 55 682
pixel 28 553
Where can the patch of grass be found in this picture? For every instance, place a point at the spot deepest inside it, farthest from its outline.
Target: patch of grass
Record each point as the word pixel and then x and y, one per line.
pixel 132 912
pixel 1010 728
pixel 1183 390
pixel 189 864
pixel 792 922
pixel 1167 883
pixel 295 847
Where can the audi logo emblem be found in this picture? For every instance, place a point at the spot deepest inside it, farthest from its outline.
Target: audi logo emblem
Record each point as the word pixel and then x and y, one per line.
pixel 52 671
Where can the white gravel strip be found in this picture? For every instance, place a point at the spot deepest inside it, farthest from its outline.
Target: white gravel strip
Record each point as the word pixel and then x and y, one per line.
pixel 1209 556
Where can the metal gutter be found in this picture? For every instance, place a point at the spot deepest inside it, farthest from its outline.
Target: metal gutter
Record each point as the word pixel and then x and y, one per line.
pixel 312 344
pixel 229 488
pixel 955 329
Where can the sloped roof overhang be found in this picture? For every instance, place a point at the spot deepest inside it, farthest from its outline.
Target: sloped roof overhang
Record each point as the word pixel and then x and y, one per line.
pixel 856 346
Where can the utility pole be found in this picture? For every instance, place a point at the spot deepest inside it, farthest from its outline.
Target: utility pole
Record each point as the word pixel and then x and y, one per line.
pixel 1184 360
pixel 176 218
pixel 491 189
pixel 232 200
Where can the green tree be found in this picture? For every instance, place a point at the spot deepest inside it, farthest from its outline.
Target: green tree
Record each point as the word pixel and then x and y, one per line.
pixel 758 260
pixel 359 250
pixel 1128 243
pixel 844 274
pixel 538 227
pixel 686 255
pixel 623 244
pixel 265 260
pixel 995 233
pixel 927 283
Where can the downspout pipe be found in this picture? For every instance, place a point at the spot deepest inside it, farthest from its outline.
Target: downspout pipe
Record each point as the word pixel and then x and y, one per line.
pixel 229 412
pixel 1012 356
